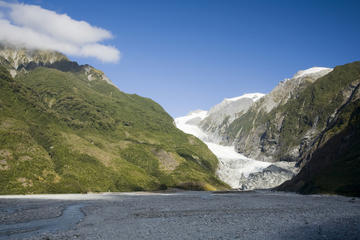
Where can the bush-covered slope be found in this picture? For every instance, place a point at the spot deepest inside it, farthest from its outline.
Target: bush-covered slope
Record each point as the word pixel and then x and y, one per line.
pixel 61 132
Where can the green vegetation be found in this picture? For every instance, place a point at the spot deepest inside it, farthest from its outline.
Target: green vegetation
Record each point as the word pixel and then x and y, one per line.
pixel 60 133
pixel 314 105
pixel 335 166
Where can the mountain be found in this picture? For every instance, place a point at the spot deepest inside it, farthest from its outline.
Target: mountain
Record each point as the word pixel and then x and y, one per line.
pixel 287 129
pixel 332 163
pixel 65 127
pixel 263 132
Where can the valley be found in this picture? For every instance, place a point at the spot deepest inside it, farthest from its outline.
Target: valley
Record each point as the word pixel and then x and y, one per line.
pixel 180 120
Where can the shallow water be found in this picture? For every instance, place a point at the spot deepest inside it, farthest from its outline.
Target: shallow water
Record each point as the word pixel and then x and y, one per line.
pixel 68 219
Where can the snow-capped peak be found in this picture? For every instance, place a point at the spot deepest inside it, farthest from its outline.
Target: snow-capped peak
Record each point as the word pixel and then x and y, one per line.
pixel 254 96
pixel 311 71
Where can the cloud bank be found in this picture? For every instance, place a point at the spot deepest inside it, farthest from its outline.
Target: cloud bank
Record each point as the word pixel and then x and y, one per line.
pixel 31 26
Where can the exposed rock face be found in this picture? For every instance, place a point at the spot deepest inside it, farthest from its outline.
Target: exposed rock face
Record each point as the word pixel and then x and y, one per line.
pixel 221 115
pixel 270 177
pixel 21 60
pixel 291 87
pixel 95 74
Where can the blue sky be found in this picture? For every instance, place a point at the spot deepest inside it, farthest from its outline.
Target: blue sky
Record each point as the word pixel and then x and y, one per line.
pixel 191 54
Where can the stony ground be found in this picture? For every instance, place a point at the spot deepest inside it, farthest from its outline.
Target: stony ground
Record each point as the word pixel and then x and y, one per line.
pixel 181 215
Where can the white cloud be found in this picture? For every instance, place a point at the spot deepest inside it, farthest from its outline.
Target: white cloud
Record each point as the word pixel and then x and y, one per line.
pixel 34 27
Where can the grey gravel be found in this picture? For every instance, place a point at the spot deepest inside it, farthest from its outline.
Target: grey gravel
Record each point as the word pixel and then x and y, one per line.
pixel 183 215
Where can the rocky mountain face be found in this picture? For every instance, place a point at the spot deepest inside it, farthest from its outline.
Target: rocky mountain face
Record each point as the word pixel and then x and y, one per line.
pixel 21 60
pixel 270 177
pixel 220 116
pixel 262 132
pixel 65 128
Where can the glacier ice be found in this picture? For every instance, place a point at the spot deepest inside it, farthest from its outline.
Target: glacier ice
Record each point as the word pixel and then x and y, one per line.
pixel 234 168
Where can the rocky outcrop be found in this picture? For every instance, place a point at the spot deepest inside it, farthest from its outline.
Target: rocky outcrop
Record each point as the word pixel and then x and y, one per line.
pixel 220 116
pixel 269 177
pixel 21 57
pixel 20 60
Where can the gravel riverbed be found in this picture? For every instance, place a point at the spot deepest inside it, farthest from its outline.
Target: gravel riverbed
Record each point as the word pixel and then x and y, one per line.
pixel 181 215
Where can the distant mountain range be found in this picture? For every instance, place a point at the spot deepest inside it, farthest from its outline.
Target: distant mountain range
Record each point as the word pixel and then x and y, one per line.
pixel 310 122
pixel 65 127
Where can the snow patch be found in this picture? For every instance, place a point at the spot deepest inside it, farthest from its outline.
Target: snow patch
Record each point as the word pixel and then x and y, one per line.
pixel 310 71
pixel 253 96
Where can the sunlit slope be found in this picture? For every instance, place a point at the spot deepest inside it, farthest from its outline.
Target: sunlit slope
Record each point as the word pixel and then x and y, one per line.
pixel 60 132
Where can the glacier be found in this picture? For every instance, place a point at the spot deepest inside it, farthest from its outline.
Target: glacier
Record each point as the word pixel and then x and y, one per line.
pixel 232 165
